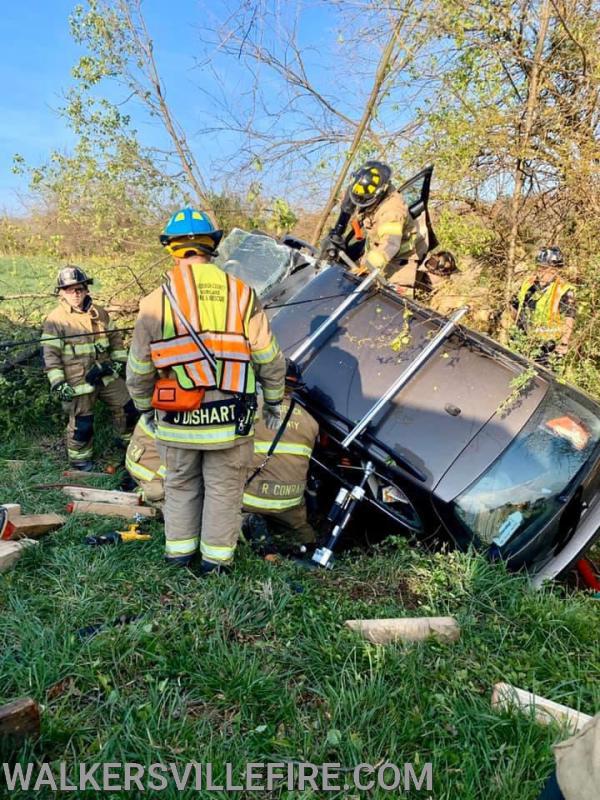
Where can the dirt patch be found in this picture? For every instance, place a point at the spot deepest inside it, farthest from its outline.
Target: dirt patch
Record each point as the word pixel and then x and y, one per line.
pixel 397 589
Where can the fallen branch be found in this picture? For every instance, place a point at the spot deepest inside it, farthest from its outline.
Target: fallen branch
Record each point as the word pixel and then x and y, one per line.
pixel 25 296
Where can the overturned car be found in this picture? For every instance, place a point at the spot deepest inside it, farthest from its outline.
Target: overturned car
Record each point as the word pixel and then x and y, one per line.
pixel 462 439
pixel 440 431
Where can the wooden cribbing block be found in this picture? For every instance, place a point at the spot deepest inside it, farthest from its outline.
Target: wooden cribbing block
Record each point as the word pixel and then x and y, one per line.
pixel 36 524
pixel 406 629
pixel 20 719
pixel 506 696
pixel 110 509
pixel 10 552
pixel 102 495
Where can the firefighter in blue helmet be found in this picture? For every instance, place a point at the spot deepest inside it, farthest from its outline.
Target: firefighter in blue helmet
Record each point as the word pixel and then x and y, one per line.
pixel 201 345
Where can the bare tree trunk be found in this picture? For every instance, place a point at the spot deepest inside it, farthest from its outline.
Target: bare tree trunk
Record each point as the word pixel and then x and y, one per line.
pixel 176 134
pixel 368 112
pixel 518 174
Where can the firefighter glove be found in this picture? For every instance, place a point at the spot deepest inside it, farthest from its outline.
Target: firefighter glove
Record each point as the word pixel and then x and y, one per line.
pixel 118 368
pixel 97 372
pixel 150 420
pixel 64 392
pixel 272 415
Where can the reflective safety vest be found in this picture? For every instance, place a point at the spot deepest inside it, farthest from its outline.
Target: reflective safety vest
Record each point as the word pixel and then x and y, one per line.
pixel 280 485
pixel 544 320
pixel 218 307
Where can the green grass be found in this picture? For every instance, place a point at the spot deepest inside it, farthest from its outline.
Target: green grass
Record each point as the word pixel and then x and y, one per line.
pixel 259 667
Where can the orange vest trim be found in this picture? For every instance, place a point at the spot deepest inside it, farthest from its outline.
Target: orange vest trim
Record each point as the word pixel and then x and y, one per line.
pixel 231 346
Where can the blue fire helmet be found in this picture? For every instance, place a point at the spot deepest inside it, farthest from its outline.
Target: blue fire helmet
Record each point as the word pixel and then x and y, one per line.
pixel 191 229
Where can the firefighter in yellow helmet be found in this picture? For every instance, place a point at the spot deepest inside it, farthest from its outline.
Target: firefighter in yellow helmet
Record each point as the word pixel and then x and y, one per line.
pixel 200 345
pixel 394 241
pixel 278 481
pixel 545 309
pixel 84 358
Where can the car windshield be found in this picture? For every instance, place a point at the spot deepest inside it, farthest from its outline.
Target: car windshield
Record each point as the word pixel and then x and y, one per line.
pixel 520 490
pixel 255 258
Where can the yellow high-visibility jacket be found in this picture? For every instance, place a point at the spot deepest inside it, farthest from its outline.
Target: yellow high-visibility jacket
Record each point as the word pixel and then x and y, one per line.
pixel 229 320
pixel 544 321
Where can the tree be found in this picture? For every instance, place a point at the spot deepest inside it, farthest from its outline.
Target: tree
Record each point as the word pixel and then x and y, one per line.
pixel 304 107
pixel 119 47
pixel 510 119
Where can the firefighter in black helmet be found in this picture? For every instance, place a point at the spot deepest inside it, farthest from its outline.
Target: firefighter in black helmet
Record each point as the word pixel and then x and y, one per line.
pixel 384 231
pixel 84 358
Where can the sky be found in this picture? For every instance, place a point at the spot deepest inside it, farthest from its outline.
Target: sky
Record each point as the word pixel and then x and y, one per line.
pixel 204 88
pixel 38 53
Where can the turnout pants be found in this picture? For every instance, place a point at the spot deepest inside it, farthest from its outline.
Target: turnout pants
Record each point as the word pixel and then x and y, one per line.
pixel 80 428
pixel 291 525
pixel 203 501
pixel 403 278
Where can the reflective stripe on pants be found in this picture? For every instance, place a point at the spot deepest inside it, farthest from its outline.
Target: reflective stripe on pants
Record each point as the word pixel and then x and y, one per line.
pixel 115 396
pixel 290 524
pixel 203 498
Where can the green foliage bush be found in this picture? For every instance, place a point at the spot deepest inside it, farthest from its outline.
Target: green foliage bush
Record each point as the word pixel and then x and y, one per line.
pixel 26 403
pixel 464 234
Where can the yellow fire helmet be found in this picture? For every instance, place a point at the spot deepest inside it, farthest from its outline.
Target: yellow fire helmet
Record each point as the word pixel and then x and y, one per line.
pixel 370 183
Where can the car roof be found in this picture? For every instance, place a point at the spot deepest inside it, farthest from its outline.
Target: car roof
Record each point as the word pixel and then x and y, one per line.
pixel 464 388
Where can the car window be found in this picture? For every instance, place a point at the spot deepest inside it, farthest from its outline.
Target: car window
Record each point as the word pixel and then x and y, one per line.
pixel 255 258
pixel 520 490
pixel 398 502
pixel 416 189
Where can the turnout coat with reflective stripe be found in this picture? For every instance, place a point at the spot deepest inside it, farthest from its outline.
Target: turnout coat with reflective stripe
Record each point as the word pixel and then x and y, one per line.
pixel 142 462
pixel 73 341
pixel 236 335
pixel 281 483
pixel 396 243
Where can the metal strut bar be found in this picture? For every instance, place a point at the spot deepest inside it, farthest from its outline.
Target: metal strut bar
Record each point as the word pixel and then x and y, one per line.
pixel 337 313
pixel 405 376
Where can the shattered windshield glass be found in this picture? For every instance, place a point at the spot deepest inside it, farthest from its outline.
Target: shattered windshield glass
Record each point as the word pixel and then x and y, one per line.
pixel 255 258
pixel 521 490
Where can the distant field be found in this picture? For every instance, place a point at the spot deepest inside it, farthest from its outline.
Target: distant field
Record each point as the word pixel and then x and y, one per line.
pixel 22 276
